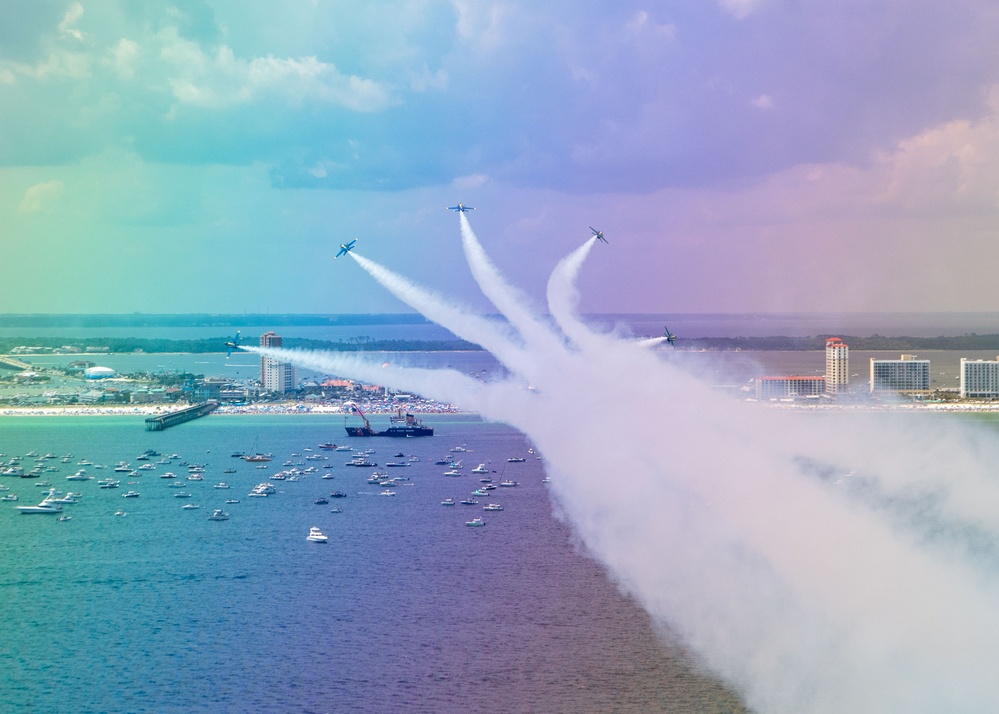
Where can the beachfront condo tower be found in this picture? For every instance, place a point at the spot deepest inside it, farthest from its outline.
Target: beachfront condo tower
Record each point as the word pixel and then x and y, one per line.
pixel 837 366
pixel 275 376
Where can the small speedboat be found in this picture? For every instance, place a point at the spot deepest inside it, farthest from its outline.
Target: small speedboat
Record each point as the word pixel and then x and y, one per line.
pixel 447 502
pixel 130 494
pixel 190 506
pixel 492 507
pixel 316 536
pixel 321 501
pixel 475 523
pixel 218 515
pixel 221 484
pixel 480 469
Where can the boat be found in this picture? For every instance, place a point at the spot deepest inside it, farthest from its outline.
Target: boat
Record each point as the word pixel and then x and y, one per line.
pixel 64 518
pixel 196 476
pixel 492 507
pixel 336 509
pixel 316 536
pixel 253 458
pixel 480 469
pixel 80 475
pixel 396 464
pixel 9 497
pixel 182 494
pixel 480 492
pixel 452 472
pixel 233 500
pixel 362 462
pixel 387 492
pixel 218 515
pixel 168 474
pixel 221 484
pixel 46 506
pixel 229 471
pixel 329 446
pixel 447 502
pixel 516 460
pixel 400 426
pixel 469 502
pixel 338 494
pixel 190 506
pixel 475 523
pixel 508 483
pixel 321 501
pixel 130 494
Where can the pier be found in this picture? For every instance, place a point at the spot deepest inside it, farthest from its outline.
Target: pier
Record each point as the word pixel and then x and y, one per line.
pixel 165 421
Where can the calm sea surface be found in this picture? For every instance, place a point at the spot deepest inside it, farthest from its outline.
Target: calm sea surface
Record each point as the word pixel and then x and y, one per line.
pixel 405 609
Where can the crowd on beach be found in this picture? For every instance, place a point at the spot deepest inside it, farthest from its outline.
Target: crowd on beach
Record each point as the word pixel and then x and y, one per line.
pixel 387 406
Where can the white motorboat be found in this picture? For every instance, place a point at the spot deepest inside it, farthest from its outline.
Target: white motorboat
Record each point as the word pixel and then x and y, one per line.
pixel 447 502
pixel 190 506
pixel 492 507
pixel 46 506
pixel 130 494
pixel 9 497
pixel 221 484
pixel 480 469
pixel 316 536
pixel 475 523
pixel 80 475
pixel 218 515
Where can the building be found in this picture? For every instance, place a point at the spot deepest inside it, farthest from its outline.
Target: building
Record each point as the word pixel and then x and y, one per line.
pixel 275 376
pixel 98 373
pixel 979 378
pixel 837 366
pixel 768 388
pixel 906 375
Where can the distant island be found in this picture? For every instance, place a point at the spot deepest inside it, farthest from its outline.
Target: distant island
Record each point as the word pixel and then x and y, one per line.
pixel 120 345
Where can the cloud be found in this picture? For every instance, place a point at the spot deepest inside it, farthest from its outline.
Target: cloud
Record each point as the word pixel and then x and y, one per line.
pixel 740 9
pixel 470 182
pixel 220 79
pixel 72 16
pixel 40 196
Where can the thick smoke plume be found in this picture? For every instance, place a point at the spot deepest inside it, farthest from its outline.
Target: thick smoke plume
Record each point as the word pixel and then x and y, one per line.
pixel 816 562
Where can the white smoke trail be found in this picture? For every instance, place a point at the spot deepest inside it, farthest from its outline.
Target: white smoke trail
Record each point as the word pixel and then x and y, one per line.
pixel 508 300
pixel 802 595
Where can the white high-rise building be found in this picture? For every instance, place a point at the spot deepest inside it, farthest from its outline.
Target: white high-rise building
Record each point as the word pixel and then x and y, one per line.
pixel 837 366
pixel 275 376
pixel 979 378
pixel 905 375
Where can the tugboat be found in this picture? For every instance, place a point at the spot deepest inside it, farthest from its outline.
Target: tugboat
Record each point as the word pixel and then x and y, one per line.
pixel 402 425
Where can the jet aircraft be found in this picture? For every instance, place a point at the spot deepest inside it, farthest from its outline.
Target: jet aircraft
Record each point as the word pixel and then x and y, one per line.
pixel 344 249
pixel 670 337
pixel 232 345
pixel 461 208
pixel 598 234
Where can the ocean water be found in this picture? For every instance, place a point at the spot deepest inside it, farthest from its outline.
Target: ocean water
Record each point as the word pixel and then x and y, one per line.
pixel 405 609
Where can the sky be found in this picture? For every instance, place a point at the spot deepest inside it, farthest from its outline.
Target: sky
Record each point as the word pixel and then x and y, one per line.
pixel 740 155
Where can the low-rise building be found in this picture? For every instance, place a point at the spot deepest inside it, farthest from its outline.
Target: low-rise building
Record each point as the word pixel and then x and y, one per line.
pixel 790 387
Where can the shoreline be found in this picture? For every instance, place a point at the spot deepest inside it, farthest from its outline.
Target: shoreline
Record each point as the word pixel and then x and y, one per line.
pixel 148 410
pixel 328 410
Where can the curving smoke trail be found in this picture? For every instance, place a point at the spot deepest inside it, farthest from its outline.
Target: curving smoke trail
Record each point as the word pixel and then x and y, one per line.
pixel 732 524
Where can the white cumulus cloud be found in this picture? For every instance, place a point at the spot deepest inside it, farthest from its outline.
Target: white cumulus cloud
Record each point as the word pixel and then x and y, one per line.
pixel 40 196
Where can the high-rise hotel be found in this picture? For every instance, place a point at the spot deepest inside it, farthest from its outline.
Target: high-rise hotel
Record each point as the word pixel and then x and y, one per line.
pixel 837 366
pixel 275 376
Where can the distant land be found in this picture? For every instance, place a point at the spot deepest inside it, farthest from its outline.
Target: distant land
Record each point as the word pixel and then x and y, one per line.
pixel 140 319
pixel 228 323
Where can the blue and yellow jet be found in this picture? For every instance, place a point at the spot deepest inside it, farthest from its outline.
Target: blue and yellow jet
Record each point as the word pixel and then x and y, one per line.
pixel 344 249
pixel 598 234
pixel 461 208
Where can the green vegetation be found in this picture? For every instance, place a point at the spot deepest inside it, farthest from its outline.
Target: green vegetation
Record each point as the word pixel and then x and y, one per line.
pixel 97 345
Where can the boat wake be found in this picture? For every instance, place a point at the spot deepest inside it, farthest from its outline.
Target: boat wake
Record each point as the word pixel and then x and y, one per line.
pixel 769 541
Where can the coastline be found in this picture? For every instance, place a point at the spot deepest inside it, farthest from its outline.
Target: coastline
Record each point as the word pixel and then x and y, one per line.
pixel 147 410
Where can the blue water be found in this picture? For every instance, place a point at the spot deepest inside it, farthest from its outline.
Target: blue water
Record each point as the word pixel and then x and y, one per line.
pixel 404 609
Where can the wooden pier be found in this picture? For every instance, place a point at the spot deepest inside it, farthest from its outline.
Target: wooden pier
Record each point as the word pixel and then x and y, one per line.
pixel 165 421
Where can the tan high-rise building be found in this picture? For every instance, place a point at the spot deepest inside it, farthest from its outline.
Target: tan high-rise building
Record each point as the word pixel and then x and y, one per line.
pixel 275 376
pixel 837 366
